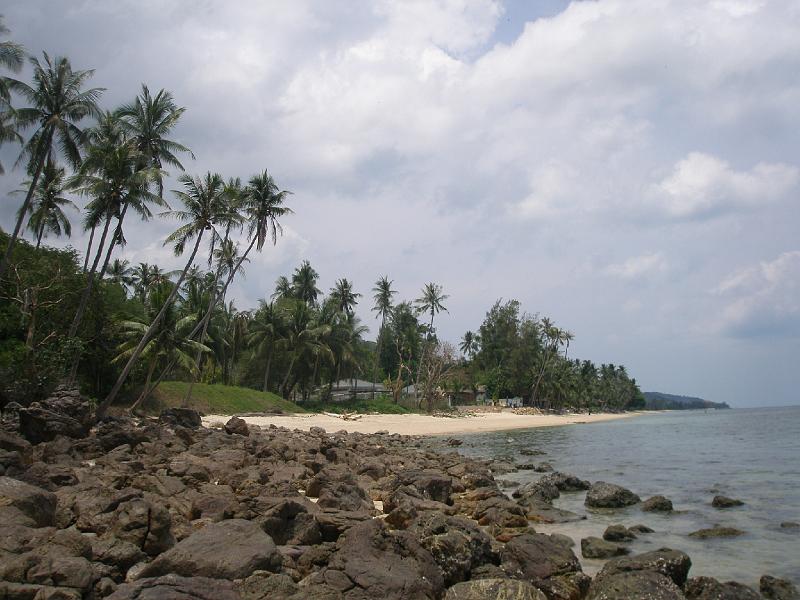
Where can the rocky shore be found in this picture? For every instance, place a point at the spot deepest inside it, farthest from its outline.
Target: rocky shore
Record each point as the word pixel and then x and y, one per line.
pixel 165 508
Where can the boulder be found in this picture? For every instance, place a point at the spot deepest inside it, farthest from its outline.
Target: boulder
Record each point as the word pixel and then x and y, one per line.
pixel 291 521
pixel 539 511
pixel 640 529
pixel 618 533
pixel 573 586
pixel 790 525
pixel 65 413
pixel 336 487
pixel 180 417
pixel 502 589
pixel 227 550
pixel 263 585
pixel 174 587
pixel 609 495
pixel 673 564
pixel 717 531
pixel 145 524
pixel 237 426
pixel 708 588
pixel 536 556
pixel 657 504
pixel 725 502
pixel 594 547
pixel 635 585
pixel 26 504
pixel 773 588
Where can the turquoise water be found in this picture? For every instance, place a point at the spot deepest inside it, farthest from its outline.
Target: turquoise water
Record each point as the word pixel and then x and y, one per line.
pixel 749 454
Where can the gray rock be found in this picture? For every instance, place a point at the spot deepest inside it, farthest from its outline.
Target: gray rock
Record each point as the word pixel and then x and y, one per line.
pixel 609 495
pixel 635 585
pixel 670 563
pixel 618 533
pixel 790 525
pixel 174 587
pixel 717 531
pixel 227 550
pixel 594 547
pixel 147 525
pixel 773 588
pixel 181 417
pixel 237 426
pixel 640 529
pixel 708 588
pixel 536 556
pixel 26 504
pixel 657 504
pixel 500 589
pixel 725 502
pixel 64 413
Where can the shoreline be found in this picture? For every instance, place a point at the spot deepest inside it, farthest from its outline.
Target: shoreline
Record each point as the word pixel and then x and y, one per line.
pixel 415 424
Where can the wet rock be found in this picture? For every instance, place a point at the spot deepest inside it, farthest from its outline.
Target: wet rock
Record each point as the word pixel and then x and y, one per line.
pixel 708 588
pixel 536 556
pixel 543 467
pixel 717 531
pixel 230 549
pixel 174 587
pixel 539 511
pixel 790 525
pixel 657 504
pixel 25 504
pixel 618 533
pixel 673 564
pixel 725 502
pixel 505 589
pixel 237 426
pixel 64 413
pixel 454 442
pixel 181 417
pixel 635 585
pixel 609 495
pixel 773 588
pixel 594 547
pixel 573 586
pixel 641 529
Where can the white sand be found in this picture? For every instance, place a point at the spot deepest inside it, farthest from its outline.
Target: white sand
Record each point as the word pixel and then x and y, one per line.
pixel 422 424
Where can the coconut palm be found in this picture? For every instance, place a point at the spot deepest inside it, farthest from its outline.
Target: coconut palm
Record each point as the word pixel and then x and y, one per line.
pixel 382 295
pixel 121 273
pixel 304 283
pixel 283 288
pixel 301 338
pixel 203 209
pixel 46 209
pixel 11 57
pixel 58 103
pixel 470 344
pixel 8 129
pixel 148 120
pixel 263 331
pixel 431 301
pixel 344 297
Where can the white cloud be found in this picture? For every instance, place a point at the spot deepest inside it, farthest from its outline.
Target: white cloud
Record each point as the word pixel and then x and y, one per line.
pixel 702 185
pixel 638 266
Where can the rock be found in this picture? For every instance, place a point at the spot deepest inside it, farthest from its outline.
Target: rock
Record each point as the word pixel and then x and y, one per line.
pixel 263 585
pixel 790 525
pixel 640 529
pixel 334 523
pixel 657 504
pixel 539 511
pixel 181 417
pixel 26 504
pixel 65 413
pixel 116 553
pixel 618 533
pixel 174 587
pixel 773 588
pixel 536 556
pixel 573 586
pixel 454 442
pixel 237 426
pixel 635 585
pixel 336 487
pixel 708 588
pixel 725 502
pixel 717 531
pixel 543 467
pixel 227 550
pixel 504 589
pixel 594 547
pixel 291 521
pixel 12 442
pixel 673 564
pixel 609 495
pixel 147 525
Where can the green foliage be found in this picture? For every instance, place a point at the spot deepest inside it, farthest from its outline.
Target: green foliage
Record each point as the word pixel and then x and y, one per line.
pixel 219 399
pixel 381 404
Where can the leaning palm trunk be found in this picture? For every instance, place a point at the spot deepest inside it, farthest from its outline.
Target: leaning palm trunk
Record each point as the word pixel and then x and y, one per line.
pixel 286 379
pixel 266 372
pixel 44 143
pixel 103 406
pixel 146 389
pixel 88 249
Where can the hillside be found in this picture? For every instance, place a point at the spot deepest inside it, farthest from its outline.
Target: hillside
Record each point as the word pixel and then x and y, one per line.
pixel 219 399
pixel 661 401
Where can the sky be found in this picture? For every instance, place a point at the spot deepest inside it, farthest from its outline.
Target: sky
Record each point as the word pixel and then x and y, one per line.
pixel 629 169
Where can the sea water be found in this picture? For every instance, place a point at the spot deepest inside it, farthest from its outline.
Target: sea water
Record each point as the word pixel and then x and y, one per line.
pixel 688 456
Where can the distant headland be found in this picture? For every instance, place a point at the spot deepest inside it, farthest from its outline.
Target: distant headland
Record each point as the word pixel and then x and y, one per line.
pixel 661 401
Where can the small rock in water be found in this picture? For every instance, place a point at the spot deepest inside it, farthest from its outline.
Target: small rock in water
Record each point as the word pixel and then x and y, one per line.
pixel 594 547
pixel 657 504
pixel 725 502
pixel 609 495
pixel 790 525
pixel 641 529
pixel 716 532
pixel 773 588
pixel 618 533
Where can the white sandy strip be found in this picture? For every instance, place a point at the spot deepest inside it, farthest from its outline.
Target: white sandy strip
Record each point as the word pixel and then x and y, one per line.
pixel 422 424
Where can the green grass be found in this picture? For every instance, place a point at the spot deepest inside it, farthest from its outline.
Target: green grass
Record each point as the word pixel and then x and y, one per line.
pixel 218 399
pixel 380 404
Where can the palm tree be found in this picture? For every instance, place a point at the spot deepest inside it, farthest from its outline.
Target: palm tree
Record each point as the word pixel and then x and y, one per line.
pixel 204 206
pixel 46 209
pixel 301 338
pixel 344 296
pixel 8 129
pixel 148 120
pixel 11 57
pixel 382 294
pixel 283 288
pixel 431 301
pixel 58 103
pixel 265 328
pixel 304 283
pixel 121 273
pixel 169 343
pixel 470 344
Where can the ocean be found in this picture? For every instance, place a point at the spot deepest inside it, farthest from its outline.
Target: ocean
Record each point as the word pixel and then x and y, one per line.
pixel 689 457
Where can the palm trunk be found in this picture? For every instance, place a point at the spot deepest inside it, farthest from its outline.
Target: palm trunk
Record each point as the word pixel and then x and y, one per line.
pixel 39 236
pixel 90 281
pixel 103 406
pixel 266 371
pixel 288 373
pixel 88 249
pixel 377 356
pixel 115 239
pixel 146 389
pixel 27 203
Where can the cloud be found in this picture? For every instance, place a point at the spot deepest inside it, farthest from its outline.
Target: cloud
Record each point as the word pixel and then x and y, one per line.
pixel 703 186
pixel 637 267
pixel 763 300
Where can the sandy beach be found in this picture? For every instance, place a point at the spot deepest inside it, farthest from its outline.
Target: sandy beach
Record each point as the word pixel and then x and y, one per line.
pixel 423 424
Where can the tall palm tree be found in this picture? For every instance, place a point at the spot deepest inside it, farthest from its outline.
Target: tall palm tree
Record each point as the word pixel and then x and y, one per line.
pixel 263 331
pixel 203 208
pixel 11 58
pixel 58 103
pixel 283 288
pixel 301 338
pixel 47 206
pixel 8 128
pixel 343 295
pixel 382 295
pixel 121 273
pixel 431 301
pixel 470 344
pixel 304 283
pixel 148 120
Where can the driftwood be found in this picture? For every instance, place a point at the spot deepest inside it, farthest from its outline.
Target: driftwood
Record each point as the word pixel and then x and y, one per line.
pixel 344 416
